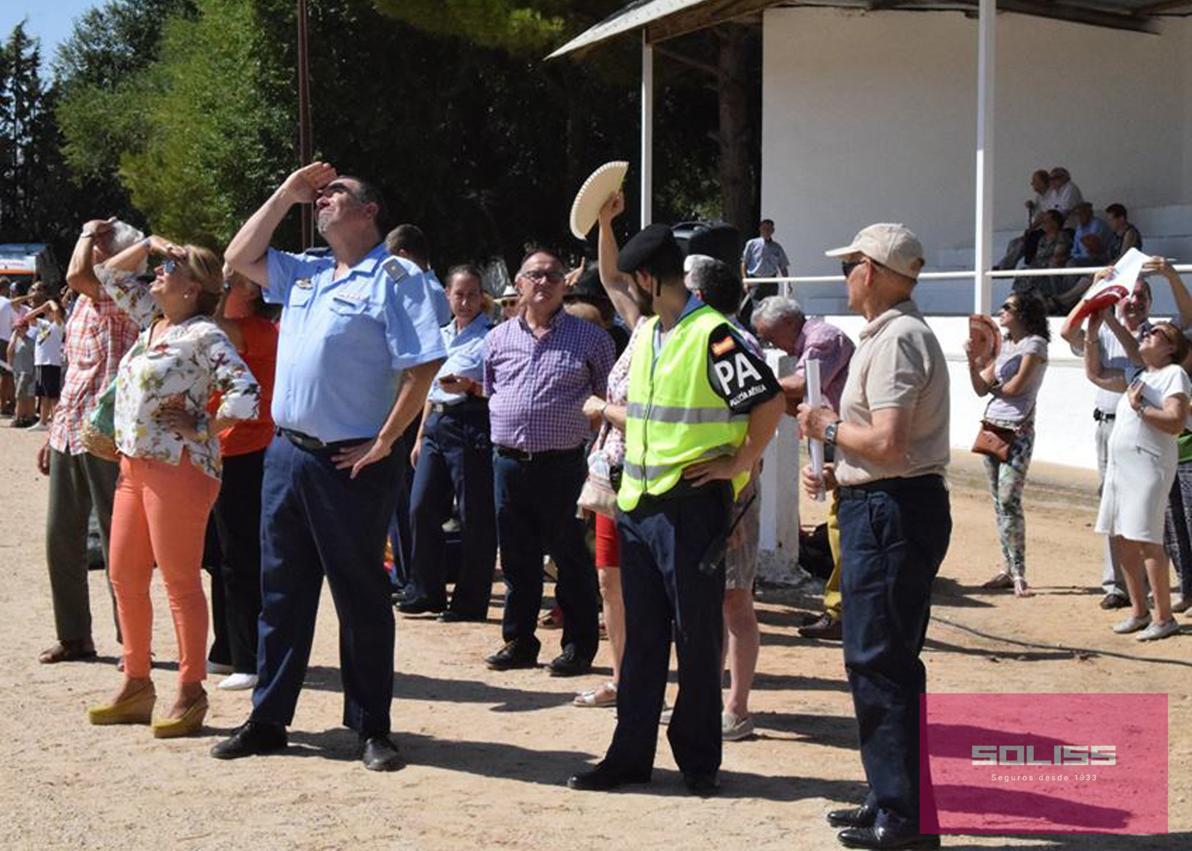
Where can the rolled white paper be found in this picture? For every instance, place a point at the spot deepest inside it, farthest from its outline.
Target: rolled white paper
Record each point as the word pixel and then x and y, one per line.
pixel 815 399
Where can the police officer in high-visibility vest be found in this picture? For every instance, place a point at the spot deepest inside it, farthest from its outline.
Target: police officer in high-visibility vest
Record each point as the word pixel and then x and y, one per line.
pixel 701 410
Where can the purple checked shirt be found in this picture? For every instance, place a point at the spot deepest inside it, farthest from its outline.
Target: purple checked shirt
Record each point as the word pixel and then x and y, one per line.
pixel 536 388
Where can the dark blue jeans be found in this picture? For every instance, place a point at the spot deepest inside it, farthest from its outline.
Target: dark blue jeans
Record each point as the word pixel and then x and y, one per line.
pixel 455 465
pixel 536 502
pixel 316 521
pixel 893 538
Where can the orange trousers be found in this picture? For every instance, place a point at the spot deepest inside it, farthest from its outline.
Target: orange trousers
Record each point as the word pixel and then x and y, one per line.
pixel 159 516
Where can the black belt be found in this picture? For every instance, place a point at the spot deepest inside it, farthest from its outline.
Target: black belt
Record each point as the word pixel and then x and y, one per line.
pixel 1102 417
pixel 313 444
pixel 931 481
pixel 518 455
pixel 480 406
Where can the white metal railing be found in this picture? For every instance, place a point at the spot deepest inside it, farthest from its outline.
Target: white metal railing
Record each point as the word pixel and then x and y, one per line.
pixel 968 275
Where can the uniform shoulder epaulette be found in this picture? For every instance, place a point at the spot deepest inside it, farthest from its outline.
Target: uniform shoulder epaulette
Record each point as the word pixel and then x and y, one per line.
pixel 395 270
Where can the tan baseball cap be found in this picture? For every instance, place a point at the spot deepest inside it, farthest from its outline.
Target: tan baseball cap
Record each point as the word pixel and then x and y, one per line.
pixel 894 246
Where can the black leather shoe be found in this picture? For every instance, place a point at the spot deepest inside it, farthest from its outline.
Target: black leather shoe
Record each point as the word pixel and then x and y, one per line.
pixel 250 739
pixel 861 816
pixel 569 663
pixel 452 616
pixel 702 784
pixel 827 628
pixel 520 653
pixel 380 754
pixel 881 837
pixel 419 606
pixel 602 779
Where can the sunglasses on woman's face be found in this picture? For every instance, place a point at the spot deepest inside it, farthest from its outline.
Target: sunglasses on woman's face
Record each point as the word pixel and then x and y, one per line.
pixel 1007 307
pixel 170 266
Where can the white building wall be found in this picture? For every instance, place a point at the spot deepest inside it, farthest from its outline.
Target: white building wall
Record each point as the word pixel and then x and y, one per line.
pixel 871 117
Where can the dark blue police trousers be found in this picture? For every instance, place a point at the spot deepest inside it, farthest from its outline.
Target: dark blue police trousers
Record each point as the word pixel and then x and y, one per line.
pixel 316 522
pixel 662 543
pixel 894 534
pixel 455 465
pixel 536 503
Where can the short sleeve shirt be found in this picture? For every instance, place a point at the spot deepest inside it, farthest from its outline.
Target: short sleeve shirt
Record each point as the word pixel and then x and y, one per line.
pixel 1129 429
pixel 1016 409
pixel 833 349
pixel 764 259
pixel 898 364
pixel 344 341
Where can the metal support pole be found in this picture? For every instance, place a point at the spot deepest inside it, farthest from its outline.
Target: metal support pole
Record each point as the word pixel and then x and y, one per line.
pixel 983 234
pixel 647 154
pixel 304 134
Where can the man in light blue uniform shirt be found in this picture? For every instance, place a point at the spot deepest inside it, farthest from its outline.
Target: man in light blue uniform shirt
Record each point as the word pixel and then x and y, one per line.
pixel 453 460
pixel 763 257
pixel 358 348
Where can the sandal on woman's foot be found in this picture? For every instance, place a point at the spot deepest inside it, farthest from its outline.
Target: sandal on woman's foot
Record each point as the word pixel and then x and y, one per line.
pixel 1001 582
pixel 1021 589
pixel 601 696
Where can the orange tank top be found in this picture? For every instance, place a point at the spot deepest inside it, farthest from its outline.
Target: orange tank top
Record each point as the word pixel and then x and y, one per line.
pixel 260 354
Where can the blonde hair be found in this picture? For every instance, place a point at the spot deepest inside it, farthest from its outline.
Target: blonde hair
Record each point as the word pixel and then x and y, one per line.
pixel 205 267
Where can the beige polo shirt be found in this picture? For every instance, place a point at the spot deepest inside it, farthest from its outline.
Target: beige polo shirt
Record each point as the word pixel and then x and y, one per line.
pixel 899 364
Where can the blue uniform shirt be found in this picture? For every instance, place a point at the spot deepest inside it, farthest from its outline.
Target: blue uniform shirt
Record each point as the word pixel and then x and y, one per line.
pixel 344 342
pixel 439 297
pixel 465 357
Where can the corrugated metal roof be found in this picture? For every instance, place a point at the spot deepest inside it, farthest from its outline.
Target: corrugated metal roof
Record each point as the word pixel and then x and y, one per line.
pixel 671 17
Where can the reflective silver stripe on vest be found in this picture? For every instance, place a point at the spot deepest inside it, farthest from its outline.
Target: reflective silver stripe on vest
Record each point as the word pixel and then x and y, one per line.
pixel 647 473
pixel 686 416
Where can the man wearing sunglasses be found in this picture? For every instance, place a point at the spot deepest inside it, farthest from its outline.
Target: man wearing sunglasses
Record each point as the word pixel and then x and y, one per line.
pixel 358 348
pixel 892 451
pixel 539 369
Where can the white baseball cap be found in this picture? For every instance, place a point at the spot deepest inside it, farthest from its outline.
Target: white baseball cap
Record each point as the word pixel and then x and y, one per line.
pixel 894 246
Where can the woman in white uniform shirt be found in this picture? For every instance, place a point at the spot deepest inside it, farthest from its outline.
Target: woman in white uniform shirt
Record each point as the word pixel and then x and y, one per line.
pixel 1142 462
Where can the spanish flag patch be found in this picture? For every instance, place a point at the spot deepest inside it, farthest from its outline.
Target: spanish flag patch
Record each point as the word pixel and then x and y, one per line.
pixel 725 345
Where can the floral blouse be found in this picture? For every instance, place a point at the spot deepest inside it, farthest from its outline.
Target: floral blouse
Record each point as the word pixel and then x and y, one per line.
pixel 611 440
pixel 187 363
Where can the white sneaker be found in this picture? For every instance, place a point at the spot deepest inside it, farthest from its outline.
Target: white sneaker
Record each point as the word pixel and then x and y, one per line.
pixel 733 729
pixel 238 682
pixel 1159 629
pixel 219 668
pixel 1132 624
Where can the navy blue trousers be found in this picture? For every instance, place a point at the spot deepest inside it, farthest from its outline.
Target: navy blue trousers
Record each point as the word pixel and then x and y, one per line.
pixel 536 502
pixel 316 522
pixel 456 464
pixel 401 536
pixel 662 543
pixel 892 544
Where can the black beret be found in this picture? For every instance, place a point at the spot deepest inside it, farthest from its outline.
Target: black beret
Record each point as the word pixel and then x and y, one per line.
pixel 654 241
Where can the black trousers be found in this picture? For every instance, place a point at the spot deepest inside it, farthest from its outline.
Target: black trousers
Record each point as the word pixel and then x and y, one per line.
pixel 662 543
pixel 536 502
pixel 237 516
pixel 455 465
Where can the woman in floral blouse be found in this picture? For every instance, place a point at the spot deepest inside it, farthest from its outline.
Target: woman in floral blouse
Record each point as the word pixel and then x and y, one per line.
pixel 169 466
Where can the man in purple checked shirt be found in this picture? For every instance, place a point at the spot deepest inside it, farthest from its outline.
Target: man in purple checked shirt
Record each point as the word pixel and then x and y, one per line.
pixel 539 367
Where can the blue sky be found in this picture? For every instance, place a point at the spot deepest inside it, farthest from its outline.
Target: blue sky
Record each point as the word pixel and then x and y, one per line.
pixel 49 20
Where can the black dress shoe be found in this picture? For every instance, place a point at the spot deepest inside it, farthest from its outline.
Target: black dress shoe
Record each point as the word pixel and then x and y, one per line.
pixel 569 663
pixel 861 816
pixel 250 739
pixel 702 784
pixel 602 779
pixel 419 606
pixel 827 628
pixel 452 616
pixel 519 653
pixel 882 837
pixel 380 754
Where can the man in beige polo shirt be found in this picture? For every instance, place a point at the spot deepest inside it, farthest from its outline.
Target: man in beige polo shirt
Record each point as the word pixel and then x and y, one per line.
pixel 891 439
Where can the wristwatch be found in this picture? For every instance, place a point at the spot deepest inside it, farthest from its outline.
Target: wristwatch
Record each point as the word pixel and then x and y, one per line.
pixel 830 433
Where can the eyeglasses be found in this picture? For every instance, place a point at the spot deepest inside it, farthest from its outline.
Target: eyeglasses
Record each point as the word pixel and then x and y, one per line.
pixel 1007 307
pixel 170 266
pixel 847 266
pixel 540 275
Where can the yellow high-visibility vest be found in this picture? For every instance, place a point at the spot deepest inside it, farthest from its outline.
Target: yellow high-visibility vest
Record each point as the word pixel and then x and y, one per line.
pixel 674 416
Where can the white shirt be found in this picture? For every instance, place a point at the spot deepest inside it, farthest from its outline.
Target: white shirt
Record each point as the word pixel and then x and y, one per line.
pixel 47 345
pixel 1113 356
pixel 5 318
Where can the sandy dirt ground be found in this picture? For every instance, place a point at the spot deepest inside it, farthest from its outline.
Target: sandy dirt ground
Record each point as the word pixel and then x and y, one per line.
pixel 489 753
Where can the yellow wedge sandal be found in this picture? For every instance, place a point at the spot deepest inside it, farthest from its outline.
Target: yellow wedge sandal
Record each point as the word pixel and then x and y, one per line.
pixel 137 709
pixel 186 724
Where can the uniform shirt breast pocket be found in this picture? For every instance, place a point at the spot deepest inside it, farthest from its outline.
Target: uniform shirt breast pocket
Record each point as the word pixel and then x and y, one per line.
pixel 347 314
pixel 299 296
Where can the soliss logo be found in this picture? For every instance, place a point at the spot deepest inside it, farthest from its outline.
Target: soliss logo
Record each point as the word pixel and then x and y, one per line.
pixel 1057 755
